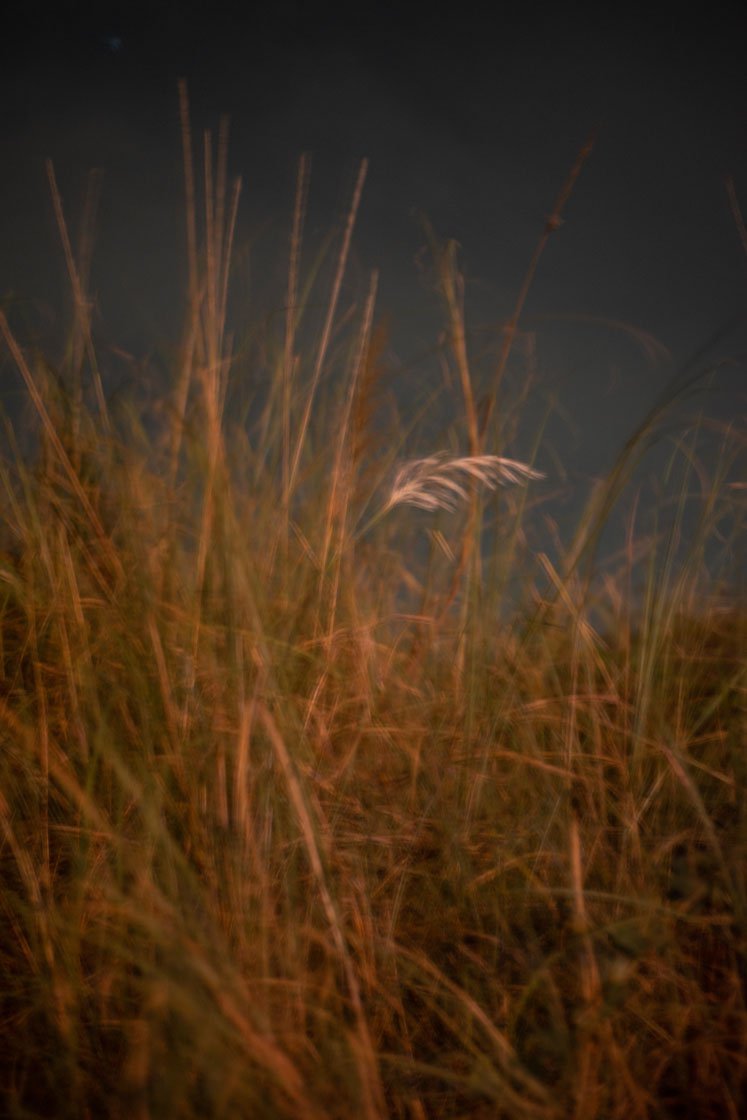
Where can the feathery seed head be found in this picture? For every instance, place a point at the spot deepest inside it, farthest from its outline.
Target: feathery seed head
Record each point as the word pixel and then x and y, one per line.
pixel 434 482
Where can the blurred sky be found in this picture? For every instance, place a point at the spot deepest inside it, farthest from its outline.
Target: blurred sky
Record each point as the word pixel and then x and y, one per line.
pixel 474 124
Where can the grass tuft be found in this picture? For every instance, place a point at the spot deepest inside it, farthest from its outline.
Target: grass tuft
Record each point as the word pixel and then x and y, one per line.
pixel 300 818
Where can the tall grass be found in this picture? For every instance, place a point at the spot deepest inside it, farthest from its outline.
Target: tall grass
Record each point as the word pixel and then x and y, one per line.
pixel 298 820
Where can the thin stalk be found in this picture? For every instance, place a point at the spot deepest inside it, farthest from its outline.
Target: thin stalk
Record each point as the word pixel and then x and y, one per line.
pixel 327 329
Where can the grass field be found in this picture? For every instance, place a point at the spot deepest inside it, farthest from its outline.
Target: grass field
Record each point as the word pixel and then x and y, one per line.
pixel 300 819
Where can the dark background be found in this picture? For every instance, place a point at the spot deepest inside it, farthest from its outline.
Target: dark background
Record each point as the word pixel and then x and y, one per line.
pixel 474 124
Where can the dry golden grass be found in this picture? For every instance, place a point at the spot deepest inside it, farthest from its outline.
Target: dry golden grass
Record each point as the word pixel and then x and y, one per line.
pixel 294 824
